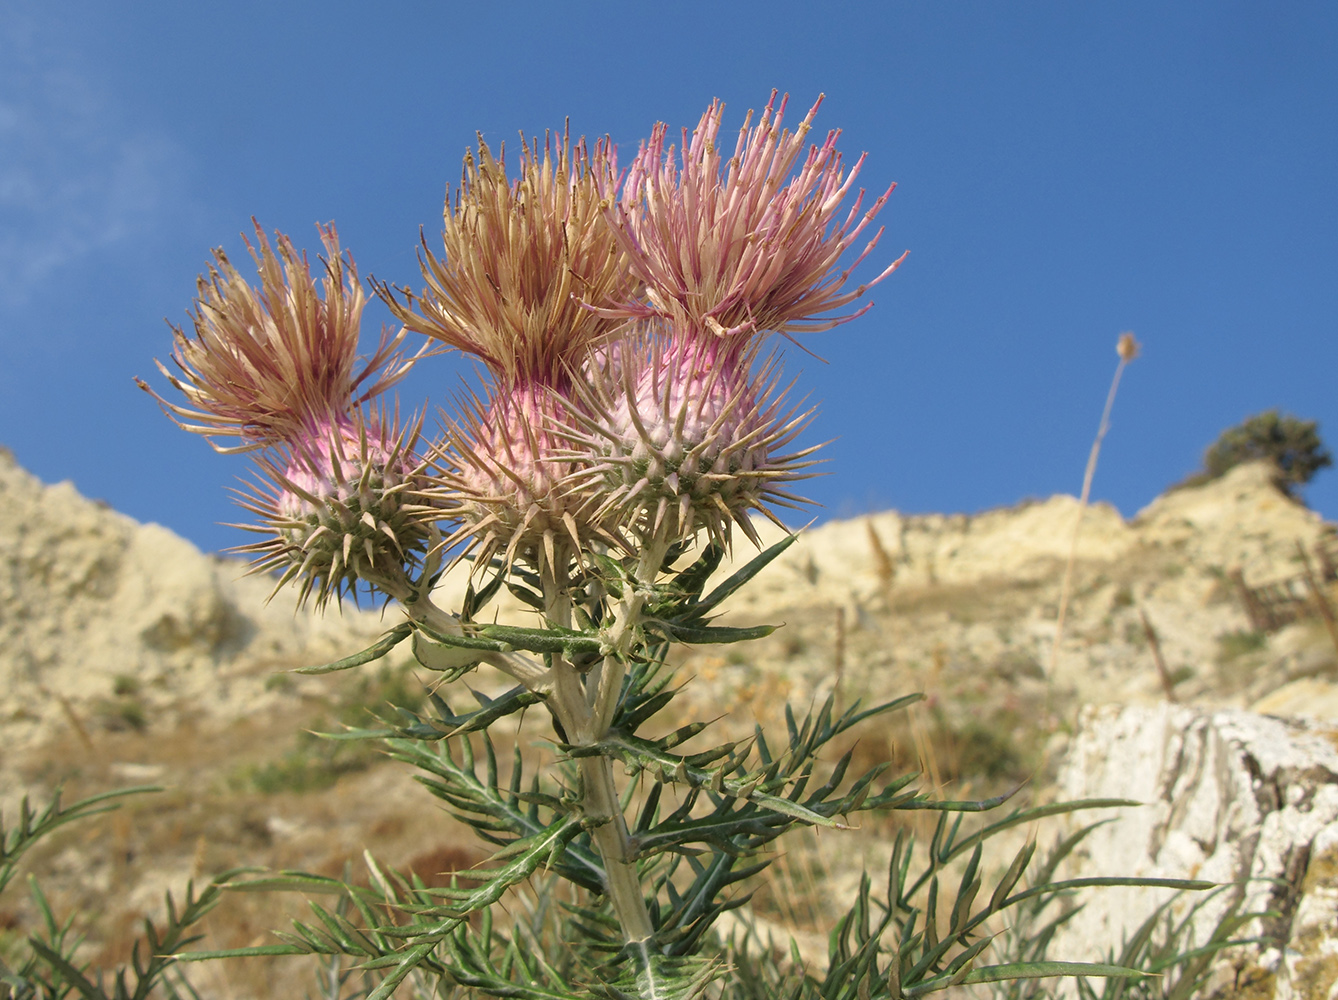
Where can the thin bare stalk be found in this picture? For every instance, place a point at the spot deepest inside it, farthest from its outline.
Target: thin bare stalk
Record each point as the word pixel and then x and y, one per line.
pixel 1127 348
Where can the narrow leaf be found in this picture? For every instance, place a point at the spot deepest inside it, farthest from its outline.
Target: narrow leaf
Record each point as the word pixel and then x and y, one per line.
pixel 374 652
pixel 738 579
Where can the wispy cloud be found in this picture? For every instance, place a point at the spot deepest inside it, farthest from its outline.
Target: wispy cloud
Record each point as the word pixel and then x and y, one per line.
pixel 76 175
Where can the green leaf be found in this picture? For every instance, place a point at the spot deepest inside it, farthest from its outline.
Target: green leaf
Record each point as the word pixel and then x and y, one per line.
pixel 742 576
pixel 1037 970
pixel 505 638
pixel 407 963
pixel 692 580
pixel 493 811
pixel 1091 883
pixel 475 600
pixel 32 826
pixel 259 951
pixel 462 641
pixel 526 596
pixel 644 754
pixel 67 972
pixel 296 882
pixel 550 640
pixel 654 976
pixel 448 724
pixel 374 652
pixel 710 634
pixel 445 659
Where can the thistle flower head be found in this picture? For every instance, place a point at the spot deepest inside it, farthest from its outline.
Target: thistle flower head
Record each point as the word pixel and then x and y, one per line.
pixel 685 435
pixel 734 248
pixel 265 364
pixel 505 471
pixel 340 503
pixel 523 261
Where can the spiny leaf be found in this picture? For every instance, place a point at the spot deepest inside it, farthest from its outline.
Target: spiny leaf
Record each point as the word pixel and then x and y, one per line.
pixel 448 724
pixel 742 576
pixel 463 641
pixel 692 580
pixel 407 963
pixel 375 651
pixel 641 753
pixel 475 600
pixel 1090 883
pixel 258 951
pixel 1029 970
pixel 655 976
pixel 550 640
pixel 711 634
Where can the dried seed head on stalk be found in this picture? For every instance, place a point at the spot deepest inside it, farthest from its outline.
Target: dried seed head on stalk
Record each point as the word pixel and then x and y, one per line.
pixel 745 245
pixel 341 503
pixel 263 364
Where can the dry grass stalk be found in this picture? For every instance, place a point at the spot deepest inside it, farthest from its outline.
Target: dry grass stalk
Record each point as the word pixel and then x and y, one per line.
pixel 1154 644
pixel 839 652
pixel 1127 347
pixel 1317 592
pixel 882 562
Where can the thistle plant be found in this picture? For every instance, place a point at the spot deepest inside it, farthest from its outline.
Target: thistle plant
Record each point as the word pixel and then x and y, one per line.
pixel 633 415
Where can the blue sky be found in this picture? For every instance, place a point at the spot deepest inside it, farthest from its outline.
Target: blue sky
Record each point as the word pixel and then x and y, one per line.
pixel 1065 171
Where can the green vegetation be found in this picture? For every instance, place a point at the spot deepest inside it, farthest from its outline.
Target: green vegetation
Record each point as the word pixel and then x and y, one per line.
pixel 125 684
pixel 312 766
pixel 1233 645
pixel 316 763
pixel 121 713
pixel 1292 445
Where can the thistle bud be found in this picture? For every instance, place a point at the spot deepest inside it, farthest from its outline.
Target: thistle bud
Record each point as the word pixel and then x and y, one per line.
pixel 339 504
pixel 507 472
pixel 686 436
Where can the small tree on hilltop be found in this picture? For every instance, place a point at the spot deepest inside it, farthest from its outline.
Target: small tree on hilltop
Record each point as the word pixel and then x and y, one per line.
pixel 1292 445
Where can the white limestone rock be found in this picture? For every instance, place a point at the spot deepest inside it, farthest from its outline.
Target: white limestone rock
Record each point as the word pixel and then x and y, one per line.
pixel 1231 797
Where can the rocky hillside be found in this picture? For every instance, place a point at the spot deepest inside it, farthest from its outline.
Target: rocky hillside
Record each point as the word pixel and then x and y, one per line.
pixel 91 600
pixel 964 608
pixel 93 604
pixel 126 655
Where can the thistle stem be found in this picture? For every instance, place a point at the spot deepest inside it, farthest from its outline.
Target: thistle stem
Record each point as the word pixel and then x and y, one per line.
pixel 610 834
pixel 585 711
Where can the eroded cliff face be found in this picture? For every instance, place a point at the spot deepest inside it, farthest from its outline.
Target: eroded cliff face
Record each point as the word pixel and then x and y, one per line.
pixel 93 604
pixel 88 596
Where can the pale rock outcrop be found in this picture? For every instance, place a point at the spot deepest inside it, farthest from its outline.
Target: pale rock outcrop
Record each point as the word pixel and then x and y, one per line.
pixel 1231 797
pixel 88 596
pixel 1239 521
